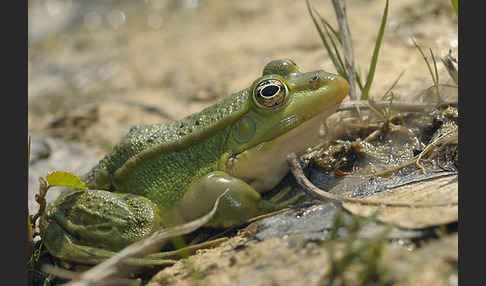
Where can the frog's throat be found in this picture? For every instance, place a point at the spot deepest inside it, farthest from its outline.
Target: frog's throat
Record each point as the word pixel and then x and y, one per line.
pixel 264 165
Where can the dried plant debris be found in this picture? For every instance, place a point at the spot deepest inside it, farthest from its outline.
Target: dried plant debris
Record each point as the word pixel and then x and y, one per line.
pixel 371 147
pixel 404 168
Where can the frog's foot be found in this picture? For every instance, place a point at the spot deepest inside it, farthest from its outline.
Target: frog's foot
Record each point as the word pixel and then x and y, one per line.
pixel 67 247
pixel 91 226
pixel 237 206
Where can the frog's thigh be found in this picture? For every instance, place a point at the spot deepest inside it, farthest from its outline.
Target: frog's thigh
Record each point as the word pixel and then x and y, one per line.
pixel 85 226
pixel 238 205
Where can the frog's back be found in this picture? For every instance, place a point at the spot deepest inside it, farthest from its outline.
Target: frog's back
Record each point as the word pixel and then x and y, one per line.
pixel 150 156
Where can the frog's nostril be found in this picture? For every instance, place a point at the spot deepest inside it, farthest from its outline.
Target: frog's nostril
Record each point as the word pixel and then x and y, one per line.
pixel 314 81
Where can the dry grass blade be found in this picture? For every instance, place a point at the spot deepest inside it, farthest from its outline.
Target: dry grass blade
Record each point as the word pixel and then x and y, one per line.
pixel 111 266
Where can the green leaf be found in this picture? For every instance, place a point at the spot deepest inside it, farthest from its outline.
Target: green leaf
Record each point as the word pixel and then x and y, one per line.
pixel 64 179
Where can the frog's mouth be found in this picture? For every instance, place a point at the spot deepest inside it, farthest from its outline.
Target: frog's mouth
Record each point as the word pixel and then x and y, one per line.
pixel 264 165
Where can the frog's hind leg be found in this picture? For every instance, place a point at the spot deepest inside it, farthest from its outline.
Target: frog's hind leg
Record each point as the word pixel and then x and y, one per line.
pixel 91 226
pixel 66 247
pixel 241 202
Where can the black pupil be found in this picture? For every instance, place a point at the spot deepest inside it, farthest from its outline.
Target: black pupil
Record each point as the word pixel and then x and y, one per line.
pixel 269 91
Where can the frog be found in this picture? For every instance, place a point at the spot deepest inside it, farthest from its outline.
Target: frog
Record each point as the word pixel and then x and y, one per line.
pixel 166 174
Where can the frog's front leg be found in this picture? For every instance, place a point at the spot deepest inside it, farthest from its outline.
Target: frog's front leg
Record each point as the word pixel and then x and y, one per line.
pixel 90 226
pixel 241 202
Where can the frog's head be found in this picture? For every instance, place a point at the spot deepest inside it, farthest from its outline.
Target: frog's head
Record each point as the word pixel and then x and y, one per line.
pixel 286 109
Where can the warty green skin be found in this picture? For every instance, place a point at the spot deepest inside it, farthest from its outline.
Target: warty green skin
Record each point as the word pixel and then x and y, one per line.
pixel 166 174
pixel 167 156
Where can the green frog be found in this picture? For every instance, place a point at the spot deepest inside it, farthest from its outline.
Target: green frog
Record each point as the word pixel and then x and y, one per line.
pixel 167 174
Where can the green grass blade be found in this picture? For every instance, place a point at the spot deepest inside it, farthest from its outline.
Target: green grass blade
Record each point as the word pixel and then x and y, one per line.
pixel 358 80
pixel 426 60
pixel 337 53
pixel 336 35
pixel 436 79
pixel 374 59
pixel 326 23
pixel 324 41
pixel 454 5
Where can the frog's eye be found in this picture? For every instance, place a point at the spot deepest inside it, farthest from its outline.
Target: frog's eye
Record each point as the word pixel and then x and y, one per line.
pixel 270 93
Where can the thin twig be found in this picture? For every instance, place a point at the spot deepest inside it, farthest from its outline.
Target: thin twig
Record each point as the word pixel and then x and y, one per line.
pixel 314 191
